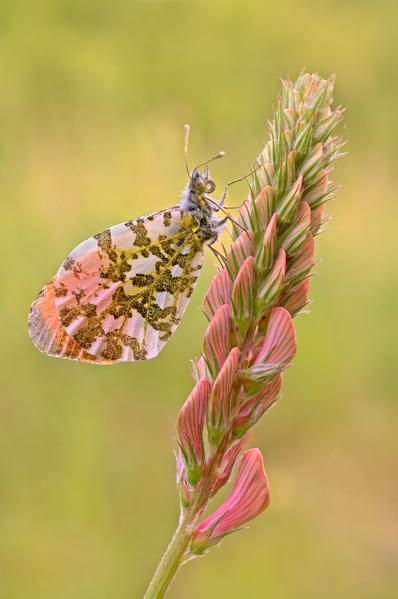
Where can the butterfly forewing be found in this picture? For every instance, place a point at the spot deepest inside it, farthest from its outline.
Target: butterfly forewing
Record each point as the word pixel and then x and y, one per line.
pixel 120 294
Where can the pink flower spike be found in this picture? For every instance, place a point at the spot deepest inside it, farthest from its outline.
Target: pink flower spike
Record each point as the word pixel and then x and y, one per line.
pixel 191 421
pixel 241 248
pixel 221 394
pixel 279 346
pixel 295 299
pixel 218 338
pixel 219 293
pixel 242 292
pixel 248 499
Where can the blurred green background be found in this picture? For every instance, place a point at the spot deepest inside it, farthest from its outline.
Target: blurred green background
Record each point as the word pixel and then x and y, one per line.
pixel 94 96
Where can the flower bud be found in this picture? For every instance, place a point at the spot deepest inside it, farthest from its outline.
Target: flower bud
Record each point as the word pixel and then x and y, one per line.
pixel 228 462
pixel 316 192
pixel 287 206
pixel 313 161
pixel 255 407
pixel 249 498
pixel 296 298
pixel 297 233
pixel 190 425
pixel 273 354
pixel 266 254
pixel 317 220
pixel 218 338
pixel 270 289
pixel 182 483
pixel 301 263
pixel 264 206
pixel 291 167
pixel 243 295
pixel 219 293
pixel 220 401
pixel 279 345
pixel 291 116
pixel 241 248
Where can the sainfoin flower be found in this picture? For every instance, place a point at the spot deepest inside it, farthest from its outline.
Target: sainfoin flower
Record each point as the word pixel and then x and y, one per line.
pixel 250 340
pixel 249 498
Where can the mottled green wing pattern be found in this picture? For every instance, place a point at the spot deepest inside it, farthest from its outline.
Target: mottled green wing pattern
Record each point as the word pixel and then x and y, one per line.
pixel 121 293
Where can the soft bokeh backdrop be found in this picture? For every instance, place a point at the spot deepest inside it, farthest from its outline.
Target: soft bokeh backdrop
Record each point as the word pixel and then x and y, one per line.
pixel 94 96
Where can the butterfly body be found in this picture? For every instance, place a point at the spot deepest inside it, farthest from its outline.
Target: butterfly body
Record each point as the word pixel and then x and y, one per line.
pixel 120 294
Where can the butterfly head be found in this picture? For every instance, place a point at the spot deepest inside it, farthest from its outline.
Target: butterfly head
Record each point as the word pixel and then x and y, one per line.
pixel 201 183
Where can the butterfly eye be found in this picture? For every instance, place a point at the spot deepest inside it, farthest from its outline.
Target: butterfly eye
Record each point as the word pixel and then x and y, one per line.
pixel 210 186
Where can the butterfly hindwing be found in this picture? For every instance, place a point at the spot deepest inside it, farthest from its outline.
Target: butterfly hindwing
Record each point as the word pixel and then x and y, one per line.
pixel 47 332
pixel 120 294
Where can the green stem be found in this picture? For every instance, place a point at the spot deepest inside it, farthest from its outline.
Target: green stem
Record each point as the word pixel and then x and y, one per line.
pixel 173 558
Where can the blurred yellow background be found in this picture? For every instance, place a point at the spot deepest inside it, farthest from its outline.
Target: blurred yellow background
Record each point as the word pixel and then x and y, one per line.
pixel 94 96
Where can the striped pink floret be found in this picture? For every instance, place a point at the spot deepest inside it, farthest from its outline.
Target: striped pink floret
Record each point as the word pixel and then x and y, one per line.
pixel 280 342
pixel 223 384
pixel 241 248
pixel 243 287
pixel 317 189
pixel 218 337
pixel 316 219
pixel 219 293
pixel 228 462
pixel 263 203
pixel 303 260
pixel 266 397
pixel 275 279
pixel 248 498
pixel 191 419
pixel 297 297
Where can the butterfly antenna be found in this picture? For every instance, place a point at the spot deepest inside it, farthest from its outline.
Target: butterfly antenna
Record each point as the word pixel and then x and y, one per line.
pixel 187 128
pixel 216 157
pixel 224 194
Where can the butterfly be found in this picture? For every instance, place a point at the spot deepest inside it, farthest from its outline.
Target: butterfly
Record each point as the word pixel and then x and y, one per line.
pixel 120 295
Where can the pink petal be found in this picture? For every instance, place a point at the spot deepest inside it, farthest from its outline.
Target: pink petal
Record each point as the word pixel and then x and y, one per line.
pixel 280 341
pixel 243 292
pixel 223 385
pixel 191 419
pixel 264 203
pixel 271 287
pixel 219 293
pixel 241 248
pixel 316 219
pixel 298 231
pixel 218 337
pixel 263 400
pixel 302 261
pixel 266 254
pixel 295 299
pixel 228 462
pixel 317 189
pixel 248 499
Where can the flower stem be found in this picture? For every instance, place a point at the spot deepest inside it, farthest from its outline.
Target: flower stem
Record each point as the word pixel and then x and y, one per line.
pixel 171 560
pixel 173 557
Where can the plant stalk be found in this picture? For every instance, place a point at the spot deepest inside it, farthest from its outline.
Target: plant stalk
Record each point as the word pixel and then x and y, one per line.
pixel 173 557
